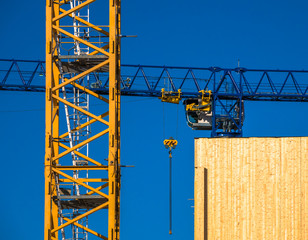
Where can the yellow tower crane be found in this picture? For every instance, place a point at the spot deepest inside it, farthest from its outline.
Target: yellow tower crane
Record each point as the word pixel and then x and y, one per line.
pixel 66 28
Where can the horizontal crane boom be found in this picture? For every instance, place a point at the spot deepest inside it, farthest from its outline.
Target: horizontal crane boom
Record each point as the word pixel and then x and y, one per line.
pixel 213 97
pixel 147 81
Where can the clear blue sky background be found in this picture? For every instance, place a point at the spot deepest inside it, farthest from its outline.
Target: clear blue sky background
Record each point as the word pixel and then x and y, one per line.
pixel 262 34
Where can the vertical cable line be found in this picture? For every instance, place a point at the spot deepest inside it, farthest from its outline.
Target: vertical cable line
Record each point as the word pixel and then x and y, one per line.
pixel 177 121
pixel 164 118
pixel 170 191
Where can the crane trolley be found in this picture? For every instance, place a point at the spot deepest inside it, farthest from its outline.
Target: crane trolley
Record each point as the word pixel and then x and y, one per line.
pixel 170 97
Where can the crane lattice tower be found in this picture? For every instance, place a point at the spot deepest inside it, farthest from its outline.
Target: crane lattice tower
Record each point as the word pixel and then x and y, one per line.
pixel 80 54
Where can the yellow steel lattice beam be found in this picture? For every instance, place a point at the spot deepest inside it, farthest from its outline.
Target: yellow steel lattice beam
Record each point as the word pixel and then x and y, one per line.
pixel 52 125
pixel 98 189
pixel 87 23
pixel 53 159
pixel 90 92
pixel 79 217
pixel 82 155
pixel 80 168
pixel 87 43
pixel 84 125
pixel 79 182
pixel 96 52
pixel 87 180
pixel 78 7
pixel 81 144
pixel 88 230
pixel 79 76
pixel 97 118
pixel 114 120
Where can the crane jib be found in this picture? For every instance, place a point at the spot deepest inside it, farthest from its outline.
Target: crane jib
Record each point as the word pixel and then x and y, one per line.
pixel 229 88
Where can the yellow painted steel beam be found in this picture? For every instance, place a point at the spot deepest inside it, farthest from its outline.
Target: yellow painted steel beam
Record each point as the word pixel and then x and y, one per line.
pixel 90 92
pixel 96 52
pixel 84 125
pixel 52 124
pixel 80 109
pixel 97 28
pixel 81 40
pixel 78 7
pixel 114 120
pixel 79 76
pixel 82 155
pixel 75 42
pixel 79 217
pixel 81 26
pixel 48 118
pixel 88 230
pixel 80 182
pixel 80 168
pixel 55 133
pixel 98 189
pixel 86 180
pixel 62 2
pixel 81 144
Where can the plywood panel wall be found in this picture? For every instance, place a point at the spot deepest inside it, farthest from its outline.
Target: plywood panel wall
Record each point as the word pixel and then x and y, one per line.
pixel 251 188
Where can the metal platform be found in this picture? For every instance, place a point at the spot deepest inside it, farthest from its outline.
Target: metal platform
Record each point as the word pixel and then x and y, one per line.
pixel 80 202
pixel 82 63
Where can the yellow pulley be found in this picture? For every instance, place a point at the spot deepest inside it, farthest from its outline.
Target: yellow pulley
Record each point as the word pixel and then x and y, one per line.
pixel 170 97
pixel 170 143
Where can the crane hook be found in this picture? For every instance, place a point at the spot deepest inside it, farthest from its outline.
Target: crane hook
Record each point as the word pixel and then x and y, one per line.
pixel 170 144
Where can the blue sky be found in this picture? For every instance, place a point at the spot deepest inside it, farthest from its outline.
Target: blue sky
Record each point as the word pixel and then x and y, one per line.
pixel 262 34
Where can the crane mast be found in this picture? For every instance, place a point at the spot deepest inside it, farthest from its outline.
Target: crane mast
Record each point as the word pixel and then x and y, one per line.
pixel 76 183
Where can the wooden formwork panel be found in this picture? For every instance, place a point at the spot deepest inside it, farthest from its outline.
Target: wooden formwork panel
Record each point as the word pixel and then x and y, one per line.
pixel 251 188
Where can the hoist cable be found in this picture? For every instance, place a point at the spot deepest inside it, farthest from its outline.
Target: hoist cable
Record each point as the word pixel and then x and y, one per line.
pixel 170 192
pixel 170 144
pixel 177 121
pixel 164 133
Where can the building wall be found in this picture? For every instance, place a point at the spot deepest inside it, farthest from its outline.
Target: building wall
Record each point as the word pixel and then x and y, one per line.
pixel 251 188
